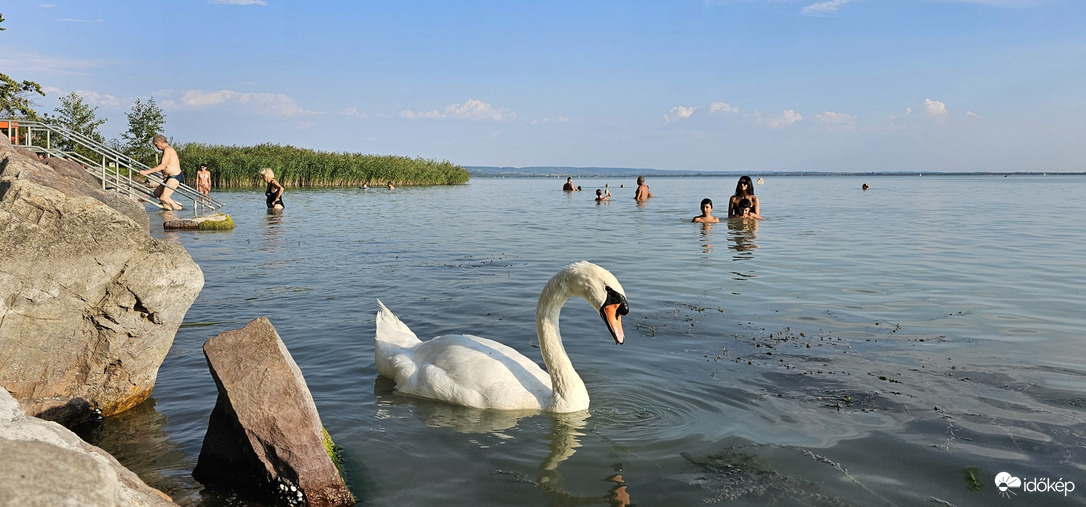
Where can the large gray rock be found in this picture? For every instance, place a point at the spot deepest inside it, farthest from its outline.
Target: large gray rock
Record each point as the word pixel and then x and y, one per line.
pixel 45 464
pixel 89 301
pixel 265 435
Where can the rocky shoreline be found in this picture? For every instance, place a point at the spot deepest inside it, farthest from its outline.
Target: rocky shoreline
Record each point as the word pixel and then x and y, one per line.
pixel 89 307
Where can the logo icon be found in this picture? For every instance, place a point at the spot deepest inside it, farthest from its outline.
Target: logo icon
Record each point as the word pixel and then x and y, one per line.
pixel 1005 482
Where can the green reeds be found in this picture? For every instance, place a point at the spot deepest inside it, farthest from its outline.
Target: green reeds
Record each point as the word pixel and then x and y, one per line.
pixel 239 167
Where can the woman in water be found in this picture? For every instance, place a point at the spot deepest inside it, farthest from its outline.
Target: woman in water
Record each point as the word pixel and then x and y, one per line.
pixel 743 190
pixel 274 193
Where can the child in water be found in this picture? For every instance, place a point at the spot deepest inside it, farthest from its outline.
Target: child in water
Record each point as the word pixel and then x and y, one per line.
pixel 274 193
pixel 743 209
pixel 706 216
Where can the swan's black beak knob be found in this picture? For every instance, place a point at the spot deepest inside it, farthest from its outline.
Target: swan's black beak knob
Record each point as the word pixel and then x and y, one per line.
pixel 614 307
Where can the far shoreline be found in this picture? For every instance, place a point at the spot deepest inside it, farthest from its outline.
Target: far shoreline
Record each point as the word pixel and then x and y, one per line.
pixel 620 172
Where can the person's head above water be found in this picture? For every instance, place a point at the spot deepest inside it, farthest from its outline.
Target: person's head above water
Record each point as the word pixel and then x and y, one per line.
pixel 744 205
pixel 745 186
pixel 706 202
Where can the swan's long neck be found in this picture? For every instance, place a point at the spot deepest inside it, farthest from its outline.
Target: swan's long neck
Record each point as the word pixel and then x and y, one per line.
pixel 568 392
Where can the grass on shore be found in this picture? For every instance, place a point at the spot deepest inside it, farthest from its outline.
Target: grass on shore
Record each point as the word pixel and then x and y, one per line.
pixel 239 167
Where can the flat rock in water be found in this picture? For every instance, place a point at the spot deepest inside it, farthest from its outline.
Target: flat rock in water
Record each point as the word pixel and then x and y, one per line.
pixel 218 221
pixel 264 436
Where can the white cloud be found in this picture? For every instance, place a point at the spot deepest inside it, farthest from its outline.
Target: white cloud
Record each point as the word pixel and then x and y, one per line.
pixel 722 107
pixel 828 7
pixel 352 111
pixel 784 119
pixel 679 113
pixel 99 99
pixel 476 110
pixel 971 114
pixel 239 2
pixel 472 110
pixel 33 63
pixel 840 120
pixel 411 115
pixel 935 109
pixel 275 104
pixel 908 110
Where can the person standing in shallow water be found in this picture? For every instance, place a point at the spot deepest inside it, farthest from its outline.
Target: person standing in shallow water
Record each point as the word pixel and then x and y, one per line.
pixel 744 189
pixel 203 180
pixel 642 193
pixel 274 193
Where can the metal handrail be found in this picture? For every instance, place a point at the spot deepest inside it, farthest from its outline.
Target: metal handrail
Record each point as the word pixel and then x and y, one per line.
pixel 114 169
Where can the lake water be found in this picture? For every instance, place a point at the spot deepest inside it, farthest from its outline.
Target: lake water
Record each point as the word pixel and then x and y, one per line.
pixel 895 346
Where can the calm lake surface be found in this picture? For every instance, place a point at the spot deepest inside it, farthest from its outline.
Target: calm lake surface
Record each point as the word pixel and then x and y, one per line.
pixel 896 346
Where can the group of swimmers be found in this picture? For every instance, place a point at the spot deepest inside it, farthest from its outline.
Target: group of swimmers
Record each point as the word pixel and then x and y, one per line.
pixel 742 204
pixel 641 195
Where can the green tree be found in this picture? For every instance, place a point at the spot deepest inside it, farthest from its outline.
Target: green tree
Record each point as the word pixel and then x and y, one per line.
pixel 145 120
pixel 15 97
pixel 76 116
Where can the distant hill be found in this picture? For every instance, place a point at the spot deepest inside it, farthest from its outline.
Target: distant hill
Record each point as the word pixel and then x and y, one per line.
pixel 581 172
pixel 626 172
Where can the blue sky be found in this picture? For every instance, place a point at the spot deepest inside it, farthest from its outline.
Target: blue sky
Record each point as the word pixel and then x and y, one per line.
pixel 729 85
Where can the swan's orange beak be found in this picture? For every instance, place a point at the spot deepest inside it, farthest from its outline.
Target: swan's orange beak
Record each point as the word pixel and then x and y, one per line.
pixel 612 315
pixel 612 311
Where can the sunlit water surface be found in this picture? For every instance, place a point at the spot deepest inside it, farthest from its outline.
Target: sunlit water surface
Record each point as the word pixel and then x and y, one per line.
pixel 885 347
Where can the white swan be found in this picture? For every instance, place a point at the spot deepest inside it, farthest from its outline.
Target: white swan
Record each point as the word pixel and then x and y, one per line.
pixel 477 372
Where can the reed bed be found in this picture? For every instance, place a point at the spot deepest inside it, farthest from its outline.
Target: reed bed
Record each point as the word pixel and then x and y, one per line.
pixel 239 167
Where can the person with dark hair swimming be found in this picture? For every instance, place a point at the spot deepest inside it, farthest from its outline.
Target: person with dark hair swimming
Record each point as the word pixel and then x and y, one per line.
pixel 745 210
pixel 706 216
pixel 744 189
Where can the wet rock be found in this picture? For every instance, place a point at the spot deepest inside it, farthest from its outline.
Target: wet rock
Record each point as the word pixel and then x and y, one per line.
pixel 89 301
pixel 214 222
pixel 264 436
pixel 45 464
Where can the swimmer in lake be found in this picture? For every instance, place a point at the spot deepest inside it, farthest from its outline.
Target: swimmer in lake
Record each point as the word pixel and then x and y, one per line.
pixel 744 189
pixel 642 194
pixel 745 210
pixel 706 216
pixel 600 196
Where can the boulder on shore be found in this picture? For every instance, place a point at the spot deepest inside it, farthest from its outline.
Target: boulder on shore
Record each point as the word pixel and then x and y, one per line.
pixel 89 301
pixel 264 436
pixel 46 464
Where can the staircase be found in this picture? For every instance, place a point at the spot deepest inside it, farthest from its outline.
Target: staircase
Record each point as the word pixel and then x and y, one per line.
pixel 115 170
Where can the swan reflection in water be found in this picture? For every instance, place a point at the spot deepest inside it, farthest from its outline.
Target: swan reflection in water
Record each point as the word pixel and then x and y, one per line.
pixel 563 440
